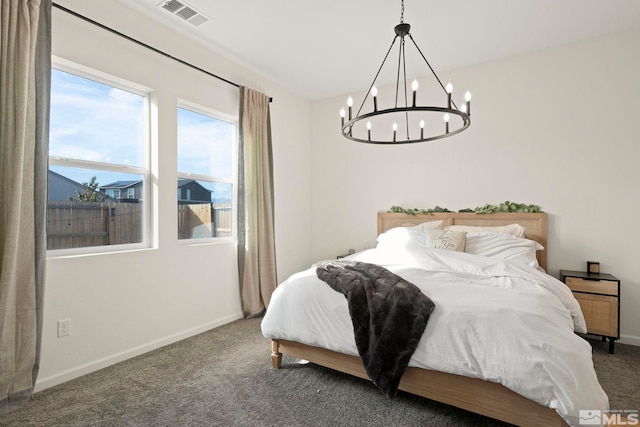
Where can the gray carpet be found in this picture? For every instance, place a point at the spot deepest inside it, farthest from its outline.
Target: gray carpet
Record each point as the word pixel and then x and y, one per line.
pixel 223 378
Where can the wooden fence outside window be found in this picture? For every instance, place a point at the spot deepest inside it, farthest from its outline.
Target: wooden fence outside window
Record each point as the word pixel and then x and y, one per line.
pixel 84 224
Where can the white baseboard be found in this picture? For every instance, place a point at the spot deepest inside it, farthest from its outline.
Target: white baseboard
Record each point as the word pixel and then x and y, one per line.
pixel 45 383
pixel 629 339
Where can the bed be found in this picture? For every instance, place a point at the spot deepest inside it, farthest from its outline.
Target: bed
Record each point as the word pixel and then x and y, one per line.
pixel 549 391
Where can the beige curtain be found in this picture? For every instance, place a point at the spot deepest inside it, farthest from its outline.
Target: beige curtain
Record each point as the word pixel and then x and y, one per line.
pixel 25 70
pixel 256 240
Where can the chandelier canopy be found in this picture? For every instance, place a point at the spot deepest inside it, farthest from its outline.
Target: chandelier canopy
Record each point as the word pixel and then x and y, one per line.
pixel 411 122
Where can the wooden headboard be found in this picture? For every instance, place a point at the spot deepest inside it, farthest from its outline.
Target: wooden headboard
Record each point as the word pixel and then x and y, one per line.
pixel 535 224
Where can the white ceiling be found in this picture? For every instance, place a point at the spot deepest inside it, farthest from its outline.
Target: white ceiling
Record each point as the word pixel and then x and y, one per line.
pixel 320 49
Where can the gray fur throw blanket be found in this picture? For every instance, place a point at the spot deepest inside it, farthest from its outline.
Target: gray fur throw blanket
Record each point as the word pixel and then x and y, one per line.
pixel 389 315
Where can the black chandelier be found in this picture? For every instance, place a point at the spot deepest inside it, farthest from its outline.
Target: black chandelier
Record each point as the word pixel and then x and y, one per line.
pixel 413 127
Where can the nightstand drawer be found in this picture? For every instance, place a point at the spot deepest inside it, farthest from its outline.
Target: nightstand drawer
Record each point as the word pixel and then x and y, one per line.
pixel 606 287
pixel 600 313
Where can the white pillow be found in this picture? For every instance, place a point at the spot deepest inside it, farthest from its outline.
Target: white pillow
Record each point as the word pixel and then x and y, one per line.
pixel 445 239
pixel 503 246
pixel 400 235
pixel 402 243
pixel 431 225
pixel 512 229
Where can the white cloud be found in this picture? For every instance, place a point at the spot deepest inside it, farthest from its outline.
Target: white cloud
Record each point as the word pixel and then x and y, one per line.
pixel 92 121
pixel 204 145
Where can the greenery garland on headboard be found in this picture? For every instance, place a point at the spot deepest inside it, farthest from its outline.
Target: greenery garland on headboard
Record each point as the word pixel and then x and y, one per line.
pixel 506 206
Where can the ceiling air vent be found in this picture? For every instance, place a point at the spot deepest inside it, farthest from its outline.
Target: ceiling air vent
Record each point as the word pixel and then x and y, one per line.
pixel 172 5
pixel 184 11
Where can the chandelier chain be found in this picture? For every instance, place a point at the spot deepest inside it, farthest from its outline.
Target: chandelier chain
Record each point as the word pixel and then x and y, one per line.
pixel 402 12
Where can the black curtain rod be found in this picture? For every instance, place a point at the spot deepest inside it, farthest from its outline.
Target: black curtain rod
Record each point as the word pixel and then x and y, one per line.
pixel 138 42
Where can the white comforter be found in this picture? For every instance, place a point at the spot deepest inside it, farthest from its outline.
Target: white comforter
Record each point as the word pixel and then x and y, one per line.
pixel 496 320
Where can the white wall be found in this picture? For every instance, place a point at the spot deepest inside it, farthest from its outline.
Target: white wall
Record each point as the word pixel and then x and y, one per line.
pixel 123 304
pixel 556 128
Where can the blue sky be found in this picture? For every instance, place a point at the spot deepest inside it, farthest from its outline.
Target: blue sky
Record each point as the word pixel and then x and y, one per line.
pixel 92 121
pixel 95 122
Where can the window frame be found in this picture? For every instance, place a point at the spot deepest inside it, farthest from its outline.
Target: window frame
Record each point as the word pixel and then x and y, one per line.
pixel 234 122
pixel 144 170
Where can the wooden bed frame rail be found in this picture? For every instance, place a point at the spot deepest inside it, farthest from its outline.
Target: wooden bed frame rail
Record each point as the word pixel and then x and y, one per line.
pixel 472 394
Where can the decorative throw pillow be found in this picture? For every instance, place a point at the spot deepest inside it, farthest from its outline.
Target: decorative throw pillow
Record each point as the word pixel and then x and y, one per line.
pixel 449 240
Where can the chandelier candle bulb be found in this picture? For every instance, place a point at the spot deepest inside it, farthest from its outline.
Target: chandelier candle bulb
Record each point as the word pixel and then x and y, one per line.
pixel 446 123
pixel 349 104
pixel 369 130
pixel 449 90
pixel 342 114
pixel 467 98
pixel 374 94
pixel 414 88
pixel 395 128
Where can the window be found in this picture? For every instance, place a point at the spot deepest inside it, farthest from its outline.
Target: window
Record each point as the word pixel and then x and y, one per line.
pixel 97 152
pixel 206 152
pixel 114 194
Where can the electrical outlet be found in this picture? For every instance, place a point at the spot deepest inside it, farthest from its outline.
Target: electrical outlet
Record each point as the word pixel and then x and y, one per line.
pixel 64 327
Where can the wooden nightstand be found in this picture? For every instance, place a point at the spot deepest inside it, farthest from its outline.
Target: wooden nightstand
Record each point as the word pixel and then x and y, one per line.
pixel 599 298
